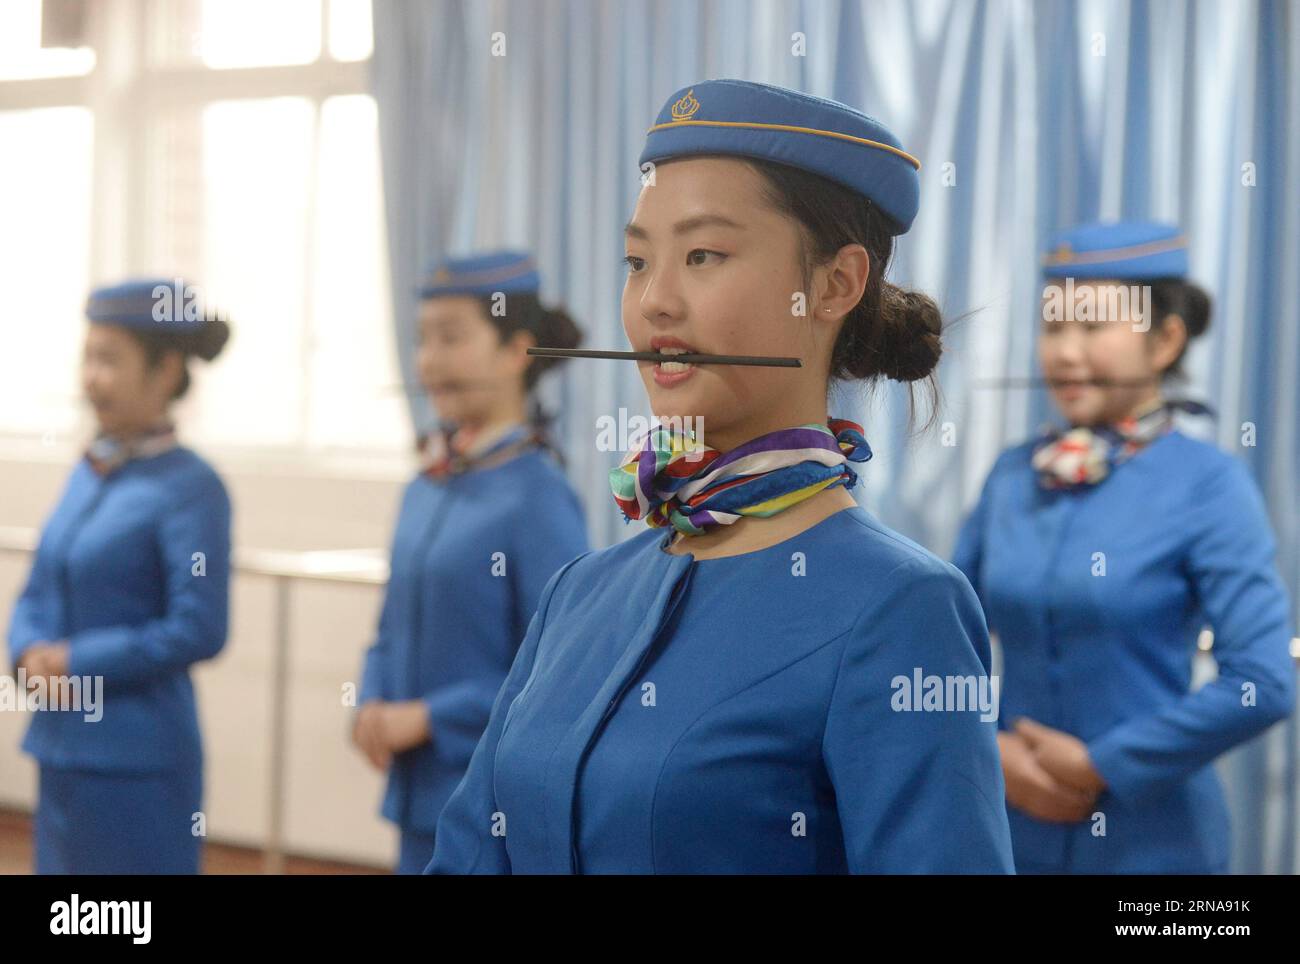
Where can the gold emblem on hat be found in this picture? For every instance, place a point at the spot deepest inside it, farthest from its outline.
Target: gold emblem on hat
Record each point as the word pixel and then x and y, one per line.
pixel 441 276
pixel 685 106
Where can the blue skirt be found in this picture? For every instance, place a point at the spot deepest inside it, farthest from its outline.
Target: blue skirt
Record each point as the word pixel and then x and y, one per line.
pixel 90 822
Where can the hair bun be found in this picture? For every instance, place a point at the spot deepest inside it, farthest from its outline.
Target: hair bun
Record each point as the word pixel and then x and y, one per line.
pixel 908 336
pixel 554 329
pixel 210 339
pixel 1196 310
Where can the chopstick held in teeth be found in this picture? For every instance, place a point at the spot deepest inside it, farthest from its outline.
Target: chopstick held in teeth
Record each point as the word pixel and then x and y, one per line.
pixel 690 358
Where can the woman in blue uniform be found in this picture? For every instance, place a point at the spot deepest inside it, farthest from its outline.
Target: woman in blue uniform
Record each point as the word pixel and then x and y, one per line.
pixel 128 588
pixel 1100 552
pixel 764 687
pixel 489 518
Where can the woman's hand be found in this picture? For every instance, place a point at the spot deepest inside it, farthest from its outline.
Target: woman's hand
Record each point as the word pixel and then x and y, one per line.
pixel 45 659
pixel 57 659
pixel 32 661
pixel 406 725
pixel 1032 789
pixel 368 734
pixel 384 728
pixel 1063 755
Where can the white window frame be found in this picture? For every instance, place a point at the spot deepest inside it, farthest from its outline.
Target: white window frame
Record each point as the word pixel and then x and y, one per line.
pixel 125 93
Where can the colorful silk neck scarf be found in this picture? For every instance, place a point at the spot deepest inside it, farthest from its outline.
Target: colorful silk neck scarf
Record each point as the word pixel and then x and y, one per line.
pixel 670 479
pixel 107 454
pixel 450 451
pixel 1083 456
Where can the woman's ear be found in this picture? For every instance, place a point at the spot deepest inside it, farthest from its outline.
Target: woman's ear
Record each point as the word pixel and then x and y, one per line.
pixel 1167 342
pixel 517 346
pixel 167 373
pixel 844 280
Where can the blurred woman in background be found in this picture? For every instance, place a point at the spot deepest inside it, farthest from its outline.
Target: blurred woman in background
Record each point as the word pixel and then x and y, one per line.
pixel 1100 552
pixel 129 585
pixel 482 527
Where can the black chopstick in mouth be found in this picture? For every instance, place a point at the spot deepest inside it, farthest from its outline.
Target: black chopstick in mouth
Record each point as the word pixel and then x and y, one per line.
pixel 689 358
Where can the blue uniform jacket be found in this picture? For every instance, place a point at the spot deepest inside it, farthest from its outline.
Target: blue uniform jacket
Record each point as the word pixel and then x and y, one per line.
pixel 1184 540
pixel 470 557
pixel 133 569
pixel 738 715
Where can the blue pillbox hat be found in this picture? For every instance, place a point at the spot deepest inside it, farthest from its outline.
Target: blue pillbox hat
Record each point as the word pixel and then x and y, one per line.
pixel 1117 249
pixel 789 127
pixel 157 304
pixel 511 272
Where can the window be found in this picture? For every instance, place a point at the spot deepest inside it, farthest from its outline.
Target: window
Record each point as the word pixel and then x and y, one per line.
pixel 23 55
pixel 44 247
pixel 231 141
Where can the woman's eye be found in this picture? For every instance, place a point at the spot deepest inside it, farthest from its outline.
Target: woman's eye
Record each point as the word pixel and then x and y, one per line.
pixel 699 255
pixel 634 264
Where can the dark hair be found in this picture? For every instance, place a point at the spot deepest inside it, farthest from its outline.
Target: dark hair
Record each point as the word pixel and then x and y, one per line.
pixel 1174 296
pixel 892 332
pixel 551 328
pixel 206 341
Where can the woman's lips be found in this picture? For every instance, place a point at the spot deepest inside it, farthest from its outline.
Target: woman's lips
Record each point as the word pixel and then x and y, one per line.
pixel 670 373
pixel 1070 389
pixel 444 387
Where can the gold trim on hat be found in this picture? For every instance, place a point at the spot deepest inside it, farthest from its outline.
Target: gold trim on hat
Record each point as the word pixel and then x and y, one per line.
pixel 789 127
pixel 1064 254
pixel 445 276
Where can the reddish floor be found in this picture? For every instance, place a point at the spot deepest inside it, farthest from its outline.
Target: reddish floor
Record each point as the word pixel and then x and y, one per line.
pixel 16 854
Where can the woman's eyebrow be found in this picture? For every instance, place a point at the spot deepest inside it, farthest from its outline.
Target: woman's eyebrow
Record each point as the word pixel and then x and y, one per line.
pixel 633 230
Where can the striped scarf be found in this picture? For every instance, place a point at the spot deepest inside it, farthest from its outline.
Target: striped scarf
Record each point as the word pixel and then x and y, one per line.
pixel 450 451
pixel 672 479
pixel 107 454
pixel 1083 455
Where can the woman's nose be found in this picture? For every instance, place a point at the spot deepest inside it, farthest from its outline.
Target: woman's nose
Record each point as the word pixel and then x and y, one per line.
pixel 661 297
pixel 1068 345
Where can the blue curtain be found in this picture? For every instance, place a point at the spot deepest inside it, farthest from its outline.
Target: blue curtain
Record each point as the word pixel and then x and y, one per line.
pixel 519 123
